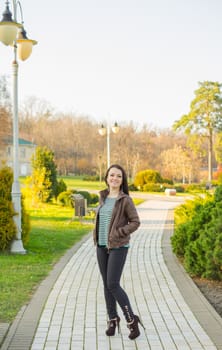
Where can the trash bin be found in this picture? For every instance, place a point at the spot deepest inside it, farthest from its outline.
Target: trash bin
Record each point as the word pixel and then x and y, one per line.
pixel 79 204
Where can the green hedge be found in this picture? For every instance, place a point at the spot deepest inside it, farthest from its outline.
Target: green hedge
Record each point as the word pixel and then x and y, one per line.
pixel 64 198
pixel 198 235
pixel 153 187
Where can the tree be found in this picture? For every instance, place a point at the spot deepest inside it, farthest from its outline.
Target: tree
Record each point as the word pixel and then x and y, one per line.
pixel 5 111
pixel 44 175
pixel 4 93
pixel 218 147
pixel 204 118
pixel 80 149
pixel 179 164
pixel 5 122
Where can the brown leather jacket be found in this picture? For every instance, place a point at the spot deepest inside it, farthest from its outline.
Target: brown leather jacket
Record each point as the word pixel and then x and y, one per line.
pixel 124 220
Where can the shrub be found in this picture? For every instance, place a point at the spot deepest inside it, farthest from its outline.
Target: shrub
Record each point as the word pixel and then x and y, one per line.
pixel 85 194
pixel 91 198
pixel 219 179
pixel 218 194
pixel 157 187
pixel 132 187
pixel 168 181
pixel 7 225
pixel 185 212
pixel 25 223
pixel 198 235
pixel 197 188
pixel 179 240
pixel 153 187
pixel 61 187
pixel 179 189
pixel 94 198
pixel 146 176
pixel 64 199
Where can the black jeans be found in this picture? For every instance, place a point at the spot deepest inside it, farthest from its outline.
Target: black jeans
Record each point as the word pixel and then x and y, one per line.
pixel 111 266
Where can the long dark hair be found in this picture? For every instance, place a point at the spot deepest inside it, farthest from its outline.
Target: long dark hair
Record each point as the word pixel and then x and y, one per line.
pixel 124 185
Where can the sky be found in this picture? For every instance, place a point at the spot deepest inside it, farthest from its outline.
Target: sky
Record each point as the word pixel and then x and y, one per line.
pixel 119 60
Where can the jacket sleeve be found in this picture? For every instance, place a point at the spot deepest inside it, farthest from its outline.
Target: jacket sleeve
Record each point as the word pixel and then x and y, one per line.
pixel 132 218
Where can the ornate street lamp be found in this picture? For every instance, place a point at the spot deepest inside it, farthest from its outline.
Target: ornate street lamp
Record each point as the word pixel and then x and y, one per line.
pixel 106 131
pixel 13 34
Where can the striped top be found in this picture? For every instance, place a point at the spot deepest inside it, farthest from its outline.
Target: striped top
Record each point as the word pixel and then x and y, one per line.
pixel 105 214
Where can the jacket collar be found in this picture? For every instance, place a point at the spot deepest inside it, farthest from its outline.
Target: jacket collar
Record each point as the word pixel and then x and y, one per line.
pixel 104 194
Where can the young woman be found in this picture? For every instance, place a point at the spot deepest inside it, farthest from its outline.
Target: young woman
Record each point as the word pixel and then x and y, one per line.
pixel 116 219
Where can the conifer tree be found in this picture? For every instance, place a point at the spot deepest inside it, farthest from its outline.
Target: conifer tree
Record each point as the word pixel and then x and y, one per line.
pixel 44 175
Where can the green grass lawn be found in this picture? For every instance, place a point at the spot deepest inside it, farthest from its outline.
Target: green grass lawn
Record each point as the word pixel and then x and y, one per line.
pixel 78 183
pixel 52 234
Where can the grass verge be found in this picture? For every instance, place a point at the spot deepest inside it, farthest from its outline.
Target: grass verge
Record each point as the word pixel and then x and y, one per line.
pixel 52 234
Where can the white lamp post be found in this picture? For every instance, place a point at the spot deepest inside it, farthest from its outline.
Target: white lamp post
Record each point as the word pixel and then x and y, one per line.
pixel 106 131
pixel 12 33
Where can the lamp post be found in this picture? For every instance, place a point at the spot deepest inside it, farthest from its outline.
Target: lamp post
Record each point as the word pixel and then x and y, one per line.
pixel 13 34
pixel 106 131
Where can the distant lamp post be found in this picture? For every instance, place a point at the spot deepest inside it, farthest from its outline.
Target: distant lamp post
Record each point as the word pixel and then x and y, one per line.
pixel 13 34
pixel 106 131
pixel 100 168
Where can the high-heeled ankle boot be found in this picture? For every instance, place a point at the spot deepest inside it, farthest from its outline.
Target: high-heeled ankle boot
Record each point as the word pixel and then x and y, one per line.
pixel 134 327
pixel 112 324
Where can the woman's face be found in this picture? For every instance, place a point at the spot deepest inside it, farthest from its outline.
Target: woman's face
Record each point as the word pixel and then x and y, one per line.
pixel 114 178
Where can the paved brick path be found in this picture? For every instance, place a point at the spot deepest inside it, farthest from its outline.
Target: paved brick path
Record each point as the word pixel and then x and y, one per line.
pixel 67 312
pixel 74 316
